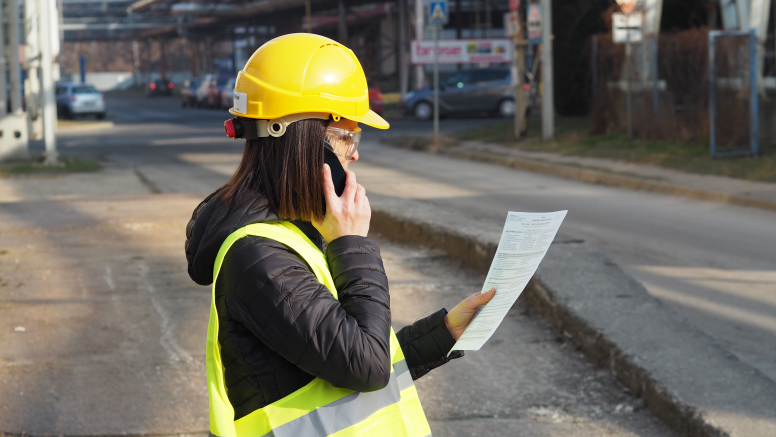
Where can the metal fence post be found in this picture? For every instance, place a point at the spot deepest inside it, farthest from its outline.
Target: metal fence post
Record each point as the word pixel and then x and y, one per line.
pixel 548 75
pixel 754 107
pixel 594 62
pixel 628 85
pixel 655 91
pixel 712 98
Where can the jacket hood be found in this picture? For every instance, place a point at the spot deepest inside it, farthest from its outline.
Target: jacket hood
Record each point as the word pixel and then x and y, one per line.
pixel 213 220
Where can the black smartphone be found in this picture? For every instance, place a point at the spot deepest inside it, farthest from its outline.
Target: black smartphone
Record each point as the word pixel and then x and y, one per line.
pixel 338 175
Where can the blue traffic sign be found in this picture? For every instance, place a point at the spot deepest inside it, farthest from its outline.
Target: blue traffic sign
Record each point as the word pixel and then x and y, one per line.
pixel 437 12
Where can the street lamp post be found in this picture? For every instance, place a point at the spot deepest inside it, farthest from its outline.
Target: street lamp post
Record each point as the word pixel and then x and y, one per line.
pixel 436 83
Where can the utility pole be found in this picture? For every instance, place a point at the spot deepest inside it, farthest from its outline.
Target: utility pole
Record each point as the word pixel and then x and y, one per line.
pixel 13 125
pixel 520 103
pixel 3 65
pixel 458 23
pixel 57 36
pixel 308 16
pixel 47 23
pixel 32 66
pixel 13 56
pixel 548 94
pixel 136 64
pixel 342 25
pixel 477 23
pixel 488 21
pixel 402 48
pixel 420 72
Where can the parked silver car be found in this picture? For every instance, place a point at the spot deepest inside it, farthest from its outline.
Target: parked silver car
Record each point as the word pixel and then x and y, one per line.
pixel 79 99
pixel 476 90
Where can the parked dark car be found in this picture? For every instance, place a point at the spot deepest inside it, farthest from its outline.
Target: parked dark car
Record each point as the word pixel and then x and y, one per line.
pixel 188 92
pixel 476 90
pixel 79 99
pixel 375 97
pixel 159 87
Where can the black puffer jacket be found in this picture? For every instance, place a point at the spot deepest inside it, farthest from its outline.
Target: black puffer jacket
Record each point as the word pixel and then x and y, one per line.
pixel 280 327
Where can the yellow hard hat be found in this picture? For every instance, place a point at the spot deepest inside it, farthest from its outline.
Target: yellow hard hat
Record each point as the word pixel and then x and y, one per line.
pixel 300 73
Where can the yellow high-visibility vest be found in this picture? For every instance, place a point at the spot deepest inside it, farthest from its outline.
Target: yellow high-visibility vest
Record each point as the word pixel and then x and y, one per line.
pixel 317 409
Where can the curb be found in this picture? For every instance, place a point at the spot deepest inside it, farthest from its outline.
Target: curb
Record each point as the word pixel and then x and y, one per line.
pixel 637 366
pixel 602 178
pixel 86 126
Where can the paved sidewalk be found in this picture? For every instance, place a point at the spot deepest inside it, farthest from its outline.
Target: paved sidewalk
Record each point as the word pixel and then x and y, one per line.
pixel 621 174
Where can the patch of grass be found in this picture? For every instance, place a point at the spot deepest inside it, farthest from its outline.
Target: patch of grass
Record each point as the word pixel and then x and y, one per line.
pixel 413 142
pixel 503 131
pixel 391 110
pixel 67 164
pixel 84 124
pixel 572 138
pixel 391 98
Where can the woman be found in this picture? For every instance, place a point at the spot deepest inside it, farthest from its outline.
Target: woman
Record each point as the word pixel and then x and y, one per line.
pixel 300 339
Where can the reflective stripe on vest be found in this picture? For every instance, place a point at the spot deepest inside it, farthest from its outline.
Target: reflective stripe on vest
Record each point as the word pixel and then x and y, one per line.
pixel 317 409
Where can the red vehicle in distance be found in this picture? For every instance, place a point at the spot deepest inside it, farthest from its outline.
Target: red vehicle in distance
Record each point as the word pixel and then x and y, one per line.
pixel 375 97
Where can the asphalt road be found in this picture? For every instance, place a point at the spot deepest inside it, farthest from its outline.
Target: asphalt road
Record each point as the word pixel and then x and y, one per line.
pixel 715 264
pixel 102 333
pixel 101 330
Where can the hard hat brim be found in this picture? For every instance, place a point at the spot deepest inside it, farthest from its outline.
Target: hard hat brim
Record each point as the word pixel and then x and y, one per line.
pixel 372 119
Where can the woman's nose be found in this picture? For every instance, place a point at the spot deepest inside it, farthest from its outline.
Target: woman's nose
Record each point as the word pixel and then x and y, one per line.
pixel 355 156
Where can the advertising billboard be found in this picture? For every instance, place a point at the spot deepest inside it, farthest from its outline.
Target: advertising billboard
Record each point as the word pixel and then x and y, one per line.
pixel 462 51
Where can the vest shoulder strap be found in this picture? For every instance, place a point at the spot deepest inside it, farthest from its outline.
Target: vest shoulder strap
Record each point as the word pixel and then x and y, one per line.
pixel 288 234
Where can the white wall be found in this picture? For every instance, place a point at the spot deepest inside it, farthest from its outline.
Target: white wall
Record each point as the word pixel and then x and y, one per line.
pixel 103 81
pixel 110 81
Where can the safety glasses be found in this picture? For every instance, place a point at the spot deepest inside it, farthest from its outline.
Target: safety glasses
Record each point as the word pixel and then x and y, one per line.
pixel 343 142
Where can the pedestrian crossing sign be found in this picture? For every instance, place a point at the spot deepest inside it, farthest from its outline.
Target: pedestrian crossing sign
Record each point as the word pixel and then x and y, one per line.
pixel 437 12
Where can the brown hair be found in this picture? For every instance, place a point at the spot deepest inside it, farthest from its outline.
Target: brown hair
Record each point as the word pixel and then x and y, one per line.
pixel 286 170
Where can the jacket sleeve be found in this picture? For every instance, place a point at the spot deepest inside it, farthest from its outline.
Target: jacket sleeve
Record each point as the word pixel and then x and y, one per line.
pixel 274 294
pixel 425 344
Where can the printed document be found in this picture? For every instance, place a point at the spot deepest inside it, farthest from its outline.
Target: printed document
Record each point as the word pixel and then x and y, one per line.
pixel 524 242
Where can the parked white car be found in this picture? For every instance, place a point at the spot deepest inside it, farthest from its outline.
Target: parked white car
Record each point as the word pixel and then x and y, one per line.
pixel 79 99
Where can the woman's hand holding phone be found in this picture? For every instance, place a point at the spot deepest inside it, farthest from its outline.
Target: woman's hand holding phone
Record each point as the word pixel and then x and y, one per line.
pixel 346 215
